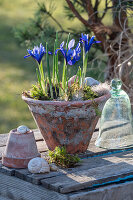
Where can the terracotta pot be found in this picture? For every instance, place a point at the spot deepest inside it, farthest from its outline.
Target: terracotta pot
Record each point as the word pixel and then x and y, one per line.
pixel 66 123
pixel 20 149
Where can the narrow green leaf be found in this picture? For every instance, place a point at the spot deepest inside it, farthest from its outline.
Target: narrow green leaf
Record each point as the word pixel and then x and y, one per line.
pixel 56 60
pixel 48 69
pixel 64 74
pixel 54 65
pixel 38 78
pixel 42 75
pixel 85 59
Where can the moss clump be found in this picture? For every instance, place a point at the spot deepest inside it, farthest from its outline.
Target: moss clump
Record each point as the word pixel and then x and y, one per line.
pixel 37 93
pixel 72 91
pixel 75 92
pixel 61 158
pixel 88 93
pixel 81 94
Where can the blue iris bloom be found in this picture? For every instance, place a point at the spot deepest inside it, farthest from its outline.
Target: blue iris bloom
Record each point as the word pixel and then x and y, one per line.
pixel 37 53
pixel 70 55
pixel 86 43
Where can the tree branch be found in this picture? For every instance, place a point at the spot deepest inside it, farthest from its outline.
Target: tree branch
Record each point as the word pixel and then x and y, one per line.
pixel 55 20
pixel 120 15
pixel 99 29
pixel 106 9
pixel 78 2
pixel 76 13
pixel 44 10
pixel 97 2
pixel 90 11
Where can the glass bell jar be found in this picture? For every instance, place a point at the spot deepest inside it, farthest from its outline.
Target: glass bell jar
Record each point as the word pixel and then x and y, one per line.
pixel 116 129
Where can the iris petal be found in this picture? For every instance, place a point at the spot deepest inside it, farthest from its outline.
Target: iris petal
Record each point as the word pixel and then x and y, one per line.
pixel 78 47
pixel 71 44
pixel 63 51
pixel 26 56
pixel 62 44
pixel 96 42
pixel 84 40
pixel 90 43
pixel 56 51
pixel 70 55
pixel 50 53
pixel 37 53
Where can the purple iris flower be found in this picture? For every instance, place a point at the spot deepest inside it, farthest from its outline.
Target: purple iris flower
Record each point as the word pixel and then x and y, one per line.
pixel 70 55
pixel 37 53
pixel 86 43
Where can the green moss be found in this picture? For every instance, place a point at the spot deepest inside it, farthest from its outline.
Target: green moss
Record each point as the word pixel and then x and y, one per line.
pixel 72 91
pixel 88 93
pixel 85 94
pixel 61 158
pixel 36 93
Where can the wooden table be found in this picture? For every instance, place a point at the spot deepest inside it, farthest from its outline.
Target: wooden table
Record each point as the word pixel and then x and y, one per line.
pixel 102 175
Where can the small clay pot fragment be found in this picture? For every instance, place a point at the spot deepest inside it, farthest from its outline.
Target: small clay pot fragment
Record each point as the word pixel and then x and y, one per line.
pixel 20 149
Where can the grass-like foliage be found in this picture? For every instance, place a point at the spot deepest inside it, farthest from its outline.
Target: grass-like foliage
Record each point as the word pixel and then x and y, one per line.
pixel 61 158
pixel 50 85
pixel 74 92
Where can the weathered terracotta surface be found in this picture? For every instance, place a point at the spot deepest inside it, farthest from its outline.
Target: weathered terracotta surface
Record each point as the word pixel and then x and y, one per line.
pixel 20 149
pixel 66 123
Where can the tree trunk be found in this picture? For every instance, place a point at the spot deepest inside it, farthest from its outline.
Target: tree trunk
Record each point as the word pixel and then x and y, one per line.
pixel 116 46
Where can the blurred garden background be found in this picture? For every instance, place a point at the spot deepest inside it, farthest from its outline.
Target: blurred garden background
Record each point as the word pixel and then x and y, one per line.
pixel 25 23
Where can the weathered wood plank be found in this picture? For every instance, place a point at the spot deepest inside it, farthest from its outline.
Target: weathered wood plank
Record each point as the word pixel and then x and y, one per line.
pixel 38 135
pixel 41 146
pixel 82 179
pixel 2 149
pixel 122 191
pixel 4 198
pixel 36 178
pixel 7 171
pixel 92 162
pixel 24 174
pixel 86 164
pixel 3 139
pixel 15 188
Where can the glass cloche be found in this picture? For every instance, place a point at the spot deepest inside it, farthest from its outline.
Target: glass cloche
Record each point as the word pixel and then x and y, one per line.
pixel 116 129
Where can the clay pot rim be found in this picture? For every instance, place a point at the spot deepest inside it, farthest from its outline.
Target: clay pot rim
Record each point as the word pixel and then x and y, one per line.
pixel 69 103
